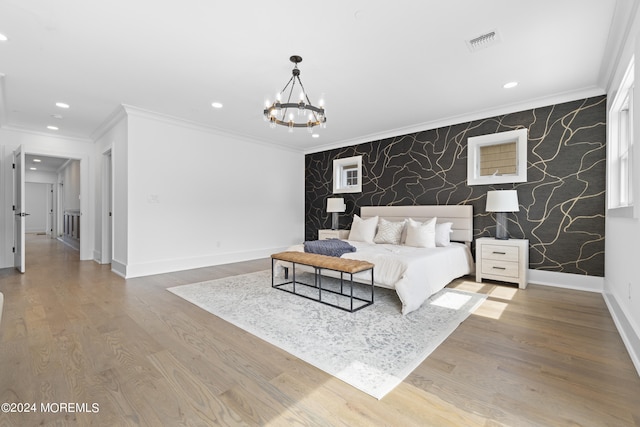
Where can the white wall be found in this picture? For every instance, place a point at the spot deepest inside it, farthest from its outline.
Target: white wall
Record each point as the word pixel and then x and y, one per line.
pixel 71 186
pixel 622 284
pixel 199 198
pixel 48 179
pixel 113 138
pixel 37 205
pixel 40 177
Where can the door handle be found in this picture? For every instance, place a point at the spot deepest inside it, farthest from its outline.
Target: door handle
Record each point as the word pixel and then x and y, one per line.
pixel 22 214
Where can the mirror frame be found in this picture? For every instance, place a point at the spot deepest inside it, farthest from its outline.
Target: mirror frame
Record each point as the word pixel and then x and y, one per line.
pixel 474 145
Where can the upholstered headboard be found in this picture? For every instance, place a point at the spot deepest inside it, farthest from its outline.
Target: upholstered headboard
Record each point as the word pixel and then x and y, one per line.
pixel 460 215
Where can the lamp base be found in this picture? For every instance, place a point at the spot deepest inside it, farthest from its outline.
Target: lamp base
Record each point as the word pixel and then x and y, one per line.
pixel 501 226
pixel 334 220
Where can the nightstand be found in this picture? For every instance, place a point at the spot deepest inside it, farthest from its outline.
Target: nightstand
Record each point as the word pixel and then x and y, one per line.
pixel 333 234
pixel 505 260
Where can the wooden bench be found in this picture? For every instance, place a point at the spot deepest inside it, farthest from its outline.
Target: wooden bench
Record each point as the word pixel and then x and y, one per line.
pixel 319 263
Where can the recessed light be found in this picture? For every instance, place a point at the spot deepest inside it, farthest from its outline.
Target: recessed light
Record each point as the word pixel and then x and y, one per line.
pixel 216 105
pixel 62 105
pixel 52 127
pixel 510 85
pixel 3 38
pixel 315 135
pixel 37 160
pixel 33 169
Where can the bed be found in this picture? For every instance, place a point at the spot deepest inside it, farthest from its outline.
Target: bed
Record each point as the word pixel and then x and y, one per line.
pixel 415 273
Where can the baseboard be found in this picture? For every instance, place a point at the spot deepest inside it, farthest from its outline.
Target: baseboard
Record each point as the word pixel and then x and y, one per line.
pixel 168 266
pixel 72 244
pixel 630 335
pixel 577 282
pixel 119 268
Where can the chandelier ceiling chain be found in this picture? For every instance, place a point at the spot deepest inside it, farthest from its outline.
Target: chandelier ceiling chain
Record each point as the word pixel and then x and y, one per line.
pixel 276 113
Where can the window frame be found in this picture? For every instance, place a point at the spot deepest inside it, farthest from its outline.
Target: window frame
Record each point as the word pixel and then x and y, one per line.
pixel 474 158
pixel 620 147
pixel 341 167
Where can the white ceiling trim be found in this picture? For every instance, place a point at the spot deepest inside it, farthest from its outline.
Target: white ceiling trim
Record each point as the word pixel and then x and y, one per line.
pixel 478 115
pixel 112 119
pixel 30 131
pixel 177 121
pixel 616 41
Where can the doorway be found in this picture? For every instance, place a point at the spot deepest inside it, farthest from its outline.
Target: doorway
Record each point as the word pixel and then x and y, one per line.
pixel 39 204
pixel 46 199
pixel 107 208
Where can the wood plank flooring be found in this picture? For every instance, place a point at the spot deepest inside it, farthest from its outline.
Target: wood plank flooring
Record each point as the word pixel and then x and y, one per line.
pixel 73 332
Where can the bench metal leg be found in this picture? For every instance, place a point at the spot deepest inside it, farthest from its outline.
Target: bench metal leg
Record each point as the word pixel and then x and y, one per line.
pixel 318 286
pixel 351 291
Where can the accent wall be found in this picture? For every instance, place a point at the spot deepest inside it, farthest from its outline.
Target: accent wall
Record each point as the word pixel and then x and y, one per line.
pixel 562 204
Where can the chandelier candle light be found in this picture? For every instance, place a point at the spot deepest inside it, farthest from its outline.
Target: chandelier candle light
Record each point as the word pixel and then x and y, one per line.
pixel 335 205
pixel 500 202
pixel 278 112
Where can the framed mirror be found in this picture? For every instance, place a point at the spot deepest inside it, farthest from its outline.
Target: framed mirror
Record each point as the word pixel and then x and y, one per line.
pixel 497 158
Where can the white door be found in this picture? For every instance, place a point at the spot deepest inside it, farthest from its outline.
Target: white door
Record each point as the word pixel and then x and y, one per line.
pixel 18 209
pixel 107 235
pixel 51 216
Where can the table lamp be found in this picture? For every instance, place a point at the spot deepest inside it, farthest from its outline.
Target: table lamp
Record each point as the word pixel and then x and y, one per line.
pixel 501 202
pixel 335 205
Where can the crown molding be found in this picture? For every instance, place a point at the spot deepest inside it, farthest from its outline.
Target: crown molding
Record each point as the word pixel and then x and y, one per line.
pixel 20 129
pixel 454 120
pixel 620 42
pixel 112 119
pixel 187 124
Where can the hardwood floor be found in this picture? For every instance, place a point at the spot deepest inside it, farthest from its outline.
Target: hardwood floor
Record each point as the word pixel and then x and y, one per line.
pixel 73 332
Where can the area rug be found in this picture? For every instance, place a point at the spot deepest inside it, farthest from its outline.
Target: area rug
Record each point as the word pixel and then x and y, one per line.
pixel 373 349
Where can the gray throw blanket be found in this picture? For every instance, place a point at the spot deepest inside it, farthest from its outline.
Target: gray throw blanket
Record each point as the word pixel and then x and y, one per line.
pixel 330 247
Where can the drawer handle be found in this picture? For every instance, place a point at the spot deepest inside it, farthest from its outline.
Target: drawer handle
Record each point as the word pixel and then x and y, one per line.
pixel 499 253
pixel 499 268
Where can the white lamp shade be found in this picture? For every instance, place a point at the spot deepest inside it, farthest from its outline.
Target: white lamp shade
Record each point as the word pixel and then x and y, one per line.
pixel 502 201
pixel 336 204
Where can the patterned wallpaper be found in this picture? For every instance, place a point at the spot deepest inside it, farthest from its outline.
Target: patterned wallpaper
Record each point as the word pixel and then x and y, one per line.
pixel 562 205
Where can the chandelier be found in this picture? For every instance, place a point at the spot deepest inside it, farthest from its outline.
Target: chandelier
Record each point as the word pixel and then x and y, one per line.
pixel 308 116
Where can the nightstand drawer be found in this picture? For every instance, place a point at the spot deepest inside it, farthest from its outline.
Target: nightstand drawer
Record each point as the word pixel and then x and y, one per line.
pixel 500 253
pixel 500 268
pixel 333 234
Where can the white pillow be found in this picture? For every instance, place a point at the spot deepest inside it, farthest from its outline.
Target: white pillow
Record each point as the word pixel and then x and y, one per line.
pixel 363 230
pixel 403 239
pixel 389 232
pixel 421 235
pixel 443 234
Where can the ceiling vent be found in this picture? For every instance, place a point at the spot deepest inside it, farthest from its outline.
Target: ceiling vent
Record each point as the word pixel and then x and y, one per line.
pixel 483 41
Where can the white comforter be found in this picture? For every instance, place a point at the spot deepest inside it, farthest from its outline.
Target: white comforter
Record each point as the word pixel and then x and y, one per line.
pixel 415 273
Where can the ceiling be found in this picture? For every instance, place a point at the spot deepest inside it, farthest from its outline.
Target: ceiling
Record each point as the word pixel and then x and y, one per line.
pixel 43 163
pixel 383 68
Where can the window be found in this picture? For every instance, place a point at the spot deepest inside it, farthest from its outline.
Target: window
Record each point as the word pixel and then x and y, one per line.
pixel 620 147
pixel 497 158
pixel 351 176
pixel 347 175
